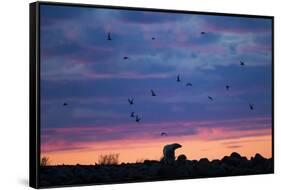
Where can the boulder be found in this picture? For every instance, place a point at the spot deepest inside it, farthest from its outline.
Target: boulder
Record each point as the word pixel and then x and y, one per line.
pixel 258 159
pixel 235 155
pixel 181 157
pixel 204 161
pixel 150 162
pixel 244 162
pixel 269 165
pixel 233 160
pixel 203 166
pixel 215 162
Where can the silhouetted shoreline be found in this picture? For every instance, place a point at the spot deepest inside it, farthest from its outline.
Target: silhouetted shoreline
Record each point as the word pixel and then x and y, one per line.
pixel 152 170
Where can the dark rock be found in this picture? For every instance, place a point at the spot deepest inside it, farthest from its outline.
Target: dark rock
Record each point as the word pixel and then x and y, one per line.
pixel 244 162
pixel 154 170
pixel 232 161
pixel 204 161
pixel 181 163
pixel 188 162
pixel 181 160
pixel 150 162
pixel 135 174
pixel 181 157
pixel 203 166
pixel 215 163
pixel 269 165
pixel 194 162
pixel 216 168
pixel 166 171
pixel 258 159
pixel 235 155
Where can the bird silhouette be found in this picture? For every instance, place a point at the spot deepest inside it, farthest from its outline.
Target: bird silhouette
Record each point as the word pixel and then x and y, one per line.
pixel 227 87
pixel 210 98
pixel 153 38
pixel 178 78
pixel 108 36
pixel 242 63
pixel 203 33
pixel 133 114
pixel 164 134
pixel 131 101
pixel 125 57
pixel 251 106
pixel 138 118
pixel 65 104
pixel 153 93
pixel 188 84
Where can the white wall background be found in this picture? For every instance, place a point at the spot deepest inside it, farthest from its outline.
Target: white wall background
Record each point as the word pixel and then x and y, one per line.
pixel 14 95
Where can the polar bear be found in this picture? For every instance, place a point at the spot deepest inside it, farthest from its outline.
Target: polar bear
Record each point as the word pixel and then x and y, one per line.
pixel 169 152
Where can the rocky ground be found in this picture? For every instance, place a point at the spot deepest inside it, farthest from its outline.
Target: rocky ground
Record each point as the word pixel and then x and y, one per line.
pixel 151 170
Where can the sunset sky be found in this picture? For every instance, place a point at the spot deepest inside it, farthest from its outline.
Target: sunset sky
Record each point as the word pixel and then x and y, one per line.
pixel 81 67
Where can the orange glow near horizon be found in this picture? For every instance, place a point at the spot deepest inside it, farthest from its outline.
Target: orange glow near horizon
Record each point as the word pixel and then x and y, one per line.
pixel 136 150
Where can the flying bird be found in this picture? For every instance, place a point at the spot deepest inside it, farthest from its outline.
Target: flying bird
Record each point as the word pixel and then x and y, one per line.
pixel 203 33
pixel 164 134
pixel 133 114
pixel 242 63
pixel 65 104
pixel 153 93
pixel 251 106
pixel 178 78
pixel 153 38
pixel 188 84
pixel 210 98
pixel 125 57
pixel 137 118
pixel 108 36
pixel 131 101
pixel 227 87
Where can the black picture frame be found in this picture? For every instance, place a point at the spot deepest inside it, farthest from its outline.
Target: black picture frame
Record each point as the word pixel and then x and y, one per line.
pixel 34 78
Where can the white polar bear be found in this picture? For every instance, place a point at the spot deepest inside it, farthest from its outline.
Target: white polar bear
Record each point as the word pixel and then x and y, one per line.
pixel 169 152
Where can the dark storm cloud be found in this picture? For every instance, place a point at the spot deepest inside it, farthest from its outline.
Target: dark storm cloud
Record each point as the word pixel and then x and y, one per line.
pixel 149 17
pixel 50 15
pixel 61 12
pixel 234 146
pixel 237 24
pixel 202 40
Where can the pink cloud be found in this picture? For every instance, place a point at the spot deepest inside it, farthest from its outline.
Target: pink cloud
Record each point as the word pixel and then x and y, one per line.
pixel 254 48
pixel 76 137
pixel 125 75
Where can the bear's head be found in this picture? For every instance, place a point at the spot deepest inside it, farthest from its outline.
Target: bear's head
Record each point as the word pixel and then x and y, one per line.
pixel 176 146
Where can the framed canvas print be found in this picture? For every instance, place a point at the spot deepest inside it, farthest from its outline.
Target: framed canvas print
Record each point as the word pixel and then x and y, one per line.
pixel 120 94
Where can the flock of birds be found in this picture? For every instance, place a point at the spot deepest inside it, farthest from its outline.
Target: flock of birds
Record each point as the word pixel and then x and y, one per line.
pixel 136 117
